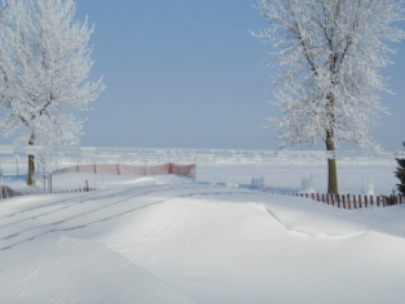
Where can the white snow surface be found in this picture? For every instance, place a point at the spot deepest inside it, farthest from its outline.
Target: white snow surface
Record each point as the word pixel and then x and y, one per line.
pixel 278 177
pixel 167 239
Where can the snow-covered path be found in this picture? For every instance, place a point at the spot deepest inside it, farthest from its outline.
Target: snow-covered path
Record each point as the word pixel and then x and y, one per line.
pixel 195 243
pixel 74 213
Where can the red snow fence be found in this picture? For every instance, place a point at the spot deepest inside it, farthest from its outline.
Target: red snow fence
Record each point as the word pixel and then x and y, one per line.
pixel 349 201
pixel 117 169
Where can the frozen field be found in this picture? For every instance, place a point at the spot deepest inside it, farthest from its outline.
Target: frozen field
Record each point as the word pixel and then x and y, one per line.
pixel 288 177
pixel 280 174
pixel 167 239
pixel 171 240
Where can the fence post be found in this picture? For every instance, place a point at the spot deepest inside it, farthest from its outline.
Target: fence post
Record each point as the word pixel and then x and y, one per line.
pixel 317 197
pixel 348 202
pixel 343 201
pixel 332 198
pixel 327 198
pixel 313 196
pixel 365 201
pixel 338 200
pixel 354 202
pixel 360 206
pixel 306 195
pixel 371 200
pixel 378 201
pixel 323 198
pixel 384 201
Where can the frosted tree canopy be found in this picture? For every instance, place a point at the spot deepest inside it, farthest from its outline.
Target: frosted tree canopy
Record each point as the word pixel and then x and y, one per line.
pixel 44 66
pixel 331 52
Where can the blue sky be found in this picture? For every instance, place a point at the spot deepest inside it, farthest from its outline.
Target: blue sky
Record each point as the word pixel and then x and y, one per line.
pixel 188 74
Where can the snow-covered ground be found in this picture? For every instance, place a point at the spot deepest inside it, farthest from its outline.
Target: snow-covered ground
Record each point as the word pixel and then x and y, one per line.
pixel 166 239
pixel 284 177
pixel 279 176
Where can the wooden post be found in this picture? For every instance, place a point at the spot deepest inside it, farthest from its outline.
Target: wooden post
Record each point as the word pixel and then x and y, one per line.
pixel 384 201
pixel 354 202
pixel 360 206
pixel 332 198
pixel 365 201
pixel 87 186
pixel 338 200
pixel 323 198
pixel 313 196
pixel 317 197
pixel 343 201
pixel 378 201
pixel 348 202
pixel 371 200
pixel 327 198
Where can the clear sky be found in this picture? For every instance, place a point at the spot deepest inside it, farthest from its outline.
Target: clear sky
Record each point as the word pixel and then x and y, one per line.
pixel 188 74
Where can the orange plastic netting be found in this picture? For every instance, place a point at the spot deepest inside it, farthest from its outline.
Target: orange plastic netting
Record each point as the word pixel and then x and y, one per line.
pixel 117 169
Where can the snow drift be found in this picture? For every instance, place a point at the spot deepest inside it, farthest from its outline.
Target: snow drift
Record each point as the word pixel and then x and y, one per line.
pixel 194 243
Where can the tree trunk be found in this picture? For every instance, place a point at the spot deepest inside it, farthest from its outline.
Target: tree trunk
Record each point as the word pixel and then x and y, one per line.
pixel 330 139
pixel 31 164
pixel 332 172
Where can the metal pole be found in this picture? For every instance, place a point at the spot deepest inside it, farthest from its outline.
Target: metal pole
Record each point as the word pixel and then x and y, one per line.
pixel 2 184
pixel 50 182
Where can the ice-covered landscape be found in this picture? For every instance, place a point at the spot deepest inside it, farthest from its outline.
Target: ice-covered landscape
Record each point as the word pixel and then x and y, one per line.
pixel 171 191
pixel 170 239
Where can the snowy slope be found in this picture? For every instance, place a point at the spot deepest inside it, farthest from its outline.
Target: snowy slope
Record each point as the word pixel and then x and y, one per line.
pixel 194 243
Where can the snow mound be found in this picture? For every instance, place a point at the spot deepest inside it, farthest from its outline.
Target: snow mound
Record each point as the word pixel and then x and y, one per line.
pixel 61 269
pixel 196 243
pixel 315 219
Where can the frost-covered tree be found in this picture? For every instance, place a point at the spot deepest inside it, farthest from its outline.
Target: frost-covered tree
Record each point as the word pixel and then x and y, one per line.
pixel 330 52
pixel 44 66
